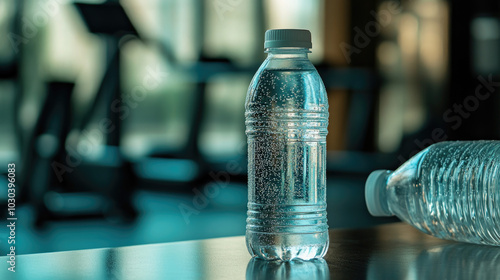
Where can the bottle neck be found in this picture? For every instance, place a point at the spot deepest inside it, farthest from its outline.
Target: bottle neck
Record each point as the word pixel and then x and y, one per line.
pixel 384 197
pixel 287 53
pixel 376 193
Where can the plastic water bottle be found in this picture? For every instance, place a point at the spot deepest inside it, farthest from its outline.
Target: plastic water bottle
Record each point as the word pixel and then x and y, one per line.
pixel 450 190
pixel 286 125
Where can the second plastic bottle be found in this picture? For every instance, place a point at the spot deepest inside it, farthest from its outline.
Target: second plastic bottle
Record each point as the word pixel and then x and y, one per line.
pixel 286 125
pixel 450 190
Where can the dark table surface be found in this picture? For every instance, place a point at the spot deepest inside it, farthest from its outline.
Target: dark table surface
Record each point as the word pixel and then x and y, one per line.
pixel 392 251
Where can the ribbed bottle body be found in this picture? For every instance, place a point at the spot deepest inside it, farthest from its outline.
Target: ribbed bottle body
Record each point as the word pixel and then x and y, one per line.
pixel 286 127
pixel 451 190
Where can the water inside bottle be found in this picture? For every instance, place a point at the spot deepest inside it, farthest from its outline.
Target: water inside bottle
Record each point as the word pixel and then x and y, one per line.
pixel 286 131
pixel 455 194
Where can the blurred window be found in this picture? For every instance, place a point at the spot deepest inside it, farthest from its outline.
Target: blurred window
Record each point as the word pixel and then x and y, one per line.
pixel 223 131
pixel 8 141
pixel 412 58
pixel 174 34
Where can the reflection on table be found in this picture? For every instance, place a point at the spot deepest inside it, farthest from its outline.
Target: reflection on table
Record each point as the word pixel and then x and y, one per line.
pixel 261 269
pixel 394 251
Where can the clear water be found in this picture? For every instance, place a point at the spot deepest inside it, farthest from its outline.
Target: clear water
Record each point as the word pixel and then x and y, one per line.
pixel 287 118
pixel 451 190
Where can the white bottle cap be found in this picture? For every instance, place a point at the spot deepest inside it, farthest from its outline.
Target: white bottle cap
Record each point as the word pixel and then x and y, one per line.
pixel 293 38
pixel 375 185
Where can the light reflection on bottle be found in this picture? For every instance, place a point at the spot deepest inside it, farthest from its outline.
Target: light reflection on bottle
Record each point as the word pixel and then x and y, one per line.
pixel 296 269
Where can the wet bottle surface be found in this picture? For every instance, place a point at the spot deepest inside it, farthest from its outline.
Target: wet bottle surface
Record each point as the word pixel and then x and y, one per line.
pixel 450 190
pixel 286 126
